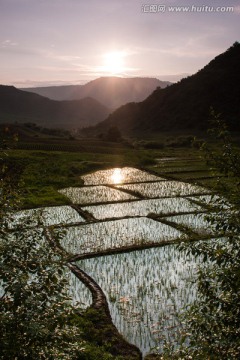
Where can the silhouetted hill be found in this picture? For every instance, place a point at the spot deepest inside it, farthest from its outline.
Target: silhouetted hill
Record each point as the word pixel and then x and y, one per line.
pixel 59 93
pixel 110 91
pixel 185 105
pixel 21 106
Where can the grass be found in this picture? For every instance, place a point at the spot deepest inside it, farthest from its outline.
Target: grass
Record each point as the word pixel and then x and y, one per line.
pixel 102 341
pixel 43 173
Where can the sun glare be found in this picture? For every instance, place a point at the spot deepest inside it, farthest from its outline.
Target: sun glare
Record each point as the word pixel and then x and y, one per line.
pixel 117 176
pixel 114 62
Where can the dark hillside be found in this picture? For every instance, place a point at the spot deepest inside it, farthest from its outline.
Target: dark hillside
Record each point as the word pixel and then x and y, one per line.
pixel 185 105
pixel 20 106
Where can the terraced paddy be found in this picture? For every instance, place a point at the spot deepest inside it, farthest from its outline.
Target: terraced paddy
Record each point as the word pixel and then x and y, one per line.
pixel 164 189
pixel 114 213
pixel 146 292
pixel 48 216
pixel 95 194
pixel 118 176
pixel 110 235
pixel 195 222
pixel 128 209
pixel 142 208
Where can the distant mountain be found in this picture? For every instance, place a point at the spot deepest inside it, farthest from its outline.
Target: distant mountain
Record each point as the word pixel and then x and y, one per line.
pixel 186 104
pixel 110 91
pixel 21 106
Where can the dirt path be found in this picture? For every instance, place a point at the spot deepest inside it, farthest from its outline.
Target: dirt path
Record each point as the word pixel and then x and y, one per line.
pixel 102 323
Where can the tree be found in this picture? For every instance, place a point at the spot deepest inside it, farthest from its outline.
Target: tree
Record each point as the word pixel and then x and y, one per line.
pixel 213 322
pixel 113 134
pixel 35 312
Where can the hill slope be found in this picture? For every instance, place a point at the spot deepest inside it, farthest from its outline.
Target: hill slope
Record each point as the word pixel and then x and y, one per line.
pixel 185 105
pixel 21 106
pixel 110 91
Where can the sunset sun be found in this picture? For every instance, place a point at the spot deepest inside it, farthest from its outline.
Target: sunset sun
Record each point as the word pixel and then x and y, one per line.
pixel 114 62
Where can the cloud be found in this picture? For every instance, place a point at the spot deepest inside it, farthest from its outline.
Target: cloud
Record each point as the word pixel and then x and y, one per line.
pixel 38 83
pixel 7 43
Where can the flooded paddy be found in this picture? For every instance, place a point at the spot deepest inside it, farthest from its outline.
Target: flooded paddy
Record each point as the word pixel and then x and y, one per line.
pixel 204 199
pixel 145 290
pixel 109 235
pixel 210 201
pixel 195 222
pixel 95 194
pixel 118 176
pixel 56 215
pixel 164 188
pixel 142 208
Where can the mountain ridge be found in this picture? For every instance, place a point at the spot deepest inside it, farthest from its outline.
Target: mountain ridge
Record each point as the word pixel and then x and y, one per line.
pixel 110 91
pixel 186 104
pixel 21 106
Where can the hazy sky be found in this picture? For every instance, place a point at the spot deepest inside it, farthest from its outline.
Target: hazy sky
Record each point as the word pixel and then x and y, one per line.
pixel 44 42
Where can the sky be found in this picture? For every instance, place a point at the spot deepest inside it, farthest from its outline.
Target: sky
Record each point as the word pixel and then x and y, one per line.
pixel 59 42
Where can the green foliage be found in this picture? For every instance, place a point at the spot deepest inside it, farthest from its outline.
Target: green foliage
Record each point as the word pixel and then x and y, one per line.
pixel 37 320
pixel 102 339
pixel 42 173
pixel 146 144
pixel 34 308
pixel 113 134
pixel 213 322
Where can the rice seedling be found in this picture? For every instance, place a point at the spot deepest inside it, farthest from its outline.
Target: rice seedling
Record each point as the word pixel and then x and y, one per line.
pixel 149 288
pixel 142 208
pixel 94 194
pixel 164 188
pixel 196 222
pixel 56 215
pixel 109 235
pixel 146 289
pixel 210 201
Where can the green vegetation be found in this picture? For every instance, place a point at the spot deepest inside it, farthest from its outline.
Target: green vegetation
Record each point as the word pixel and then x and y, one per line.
pixel 37 320
pixel 35 311
pixel 34 308
pixel 102 339
pixel 213 322
pixel 44 172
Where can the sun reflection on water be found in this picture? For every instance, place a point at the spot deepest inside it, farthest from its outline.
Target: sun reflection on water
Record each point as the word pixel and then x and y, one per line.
pixel 117 177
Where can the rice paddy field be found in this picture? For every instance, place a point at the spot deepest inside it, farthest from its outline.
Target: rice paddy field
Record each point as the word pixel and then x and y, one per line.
pixel 164 188
pixel 48 216
pixel 142 208
pixel 118 176
pixel 95 194
pixel 132 218
pixel 146 290
pixel 110 235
